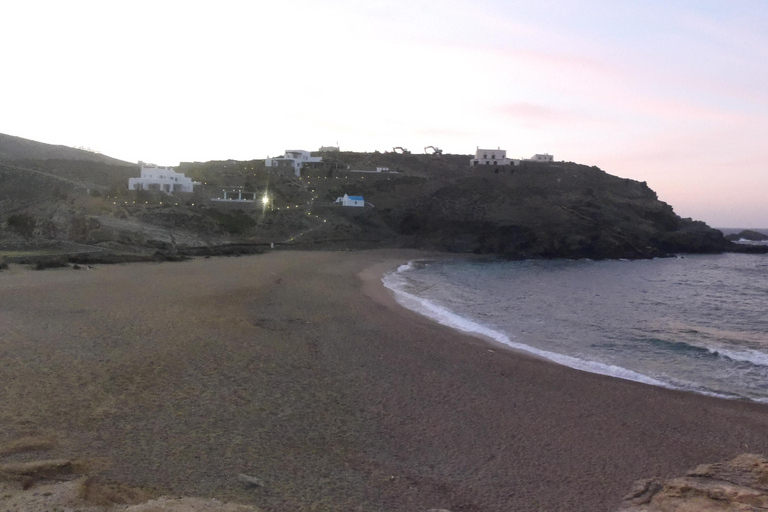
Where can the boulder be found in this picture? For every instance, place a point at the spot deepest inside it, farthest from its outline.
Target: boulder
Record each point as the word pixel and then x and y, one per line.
pixel 748 234
pixel 740 484
pixel 38 468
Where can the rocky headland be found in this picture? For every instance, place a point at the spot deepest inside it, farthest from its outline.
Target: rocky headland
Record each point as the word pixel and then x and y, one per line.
pixel 55 201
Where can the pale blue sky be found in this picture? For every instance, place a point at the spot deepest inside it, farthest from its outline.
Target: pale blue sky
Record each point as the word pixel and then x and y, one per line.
pixel 673 93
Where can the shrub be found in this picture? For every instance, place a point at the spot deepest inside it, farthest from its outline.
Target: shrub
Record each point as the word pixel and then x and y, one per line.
pixel 143 195
pixel 23 224
pixel 236 222
pixel 44 264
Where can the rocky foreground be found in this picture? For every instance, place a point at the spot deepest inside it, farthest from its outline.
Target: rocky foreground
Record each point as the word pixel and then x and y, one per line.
pixel 740 484
pixel 70 497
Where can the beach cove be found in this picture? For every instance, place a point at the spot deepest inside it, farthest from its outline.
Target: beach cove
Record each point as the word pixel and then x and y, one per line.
pixel 300 369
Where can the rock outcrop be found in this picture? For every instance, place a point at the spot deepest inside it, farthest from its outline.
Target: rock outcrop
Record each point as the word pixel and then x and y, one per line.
pixel 738 485
pixel 539 210
pixel 70 496
pixel 748 234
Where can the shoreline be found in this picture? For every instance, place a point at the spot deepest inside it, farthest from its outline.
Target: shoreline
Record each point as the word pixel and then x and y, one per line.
pixel 374 287
pixel 375 276
pixel 300 369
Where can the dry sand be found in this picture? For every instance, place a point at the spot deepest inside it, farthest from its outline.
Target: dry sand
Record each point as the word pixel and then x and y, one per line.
pixel 299 369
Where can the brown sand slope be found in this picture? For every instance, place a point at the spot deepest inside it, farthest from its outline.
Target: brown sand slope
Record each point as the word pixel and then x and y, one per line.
pixel 289 368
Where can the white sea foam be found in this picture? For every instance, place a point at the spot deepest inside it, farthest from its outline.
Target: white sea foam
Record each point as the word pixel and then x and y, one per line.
pixel 403 268
pixel 444 316
pixel 749 356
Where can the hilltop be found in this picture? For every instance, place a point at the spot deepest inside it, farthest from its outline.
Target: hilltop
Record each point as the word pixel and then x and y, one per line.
pixel 534 210
pixel 17 148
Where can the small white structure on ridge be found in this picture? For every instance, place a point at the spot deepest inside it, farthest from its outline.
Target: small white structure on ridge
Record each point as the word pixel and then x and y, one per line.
pixel 295 158
pixel 368 169
pixel 351 200
pixel 546 157
pixel 492 157
pixel 237 196
pixel 164 179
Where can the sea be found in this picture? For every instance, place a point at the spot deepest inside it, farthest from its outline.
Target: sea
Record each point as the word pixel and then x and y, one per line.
pixel 697 323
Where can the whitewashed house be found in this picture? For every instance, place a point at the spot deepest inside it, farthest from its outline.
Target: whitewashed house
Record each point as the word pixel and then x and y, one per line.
pixel 546 157
pixel 351 200
pixel 294 158
pixel 492 157
pixel 164 179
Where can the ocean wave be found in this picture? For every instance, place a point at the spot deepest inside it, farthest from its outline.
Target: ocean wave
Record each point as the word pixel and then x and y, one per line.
pixel 407 266
pixel 754 357
pixel 444 316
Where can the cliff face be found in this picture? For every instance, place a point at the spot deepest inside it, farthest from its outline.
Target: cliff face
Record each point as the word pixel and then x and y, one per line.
pixel 545 210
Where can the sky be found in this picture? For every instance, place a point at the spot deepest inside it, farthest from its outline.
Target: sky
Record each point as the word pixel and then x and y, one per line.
pixel 672 92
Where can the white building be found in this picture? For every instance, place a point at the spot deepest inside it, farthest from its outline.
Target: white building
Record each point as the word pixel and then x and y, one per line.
pixel 368 169
pixel 236 196
pixel 295 158
pixel 164 179
pixel 546 157
pixel 351 200
pixel 492 157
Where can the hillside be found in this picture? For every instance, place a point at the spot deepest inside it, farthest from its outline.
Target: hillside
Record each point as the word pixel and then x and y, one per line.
pixel 535 210
pixel 17 148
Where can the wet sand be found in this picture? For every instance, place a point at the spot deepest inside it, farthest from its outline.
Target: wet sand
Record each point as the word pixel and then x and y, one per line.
pixel 298 368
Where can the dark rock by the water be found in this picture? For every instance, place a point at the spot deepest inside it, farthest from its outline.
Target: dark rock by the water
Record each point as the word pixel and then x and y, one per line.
pixel 748 234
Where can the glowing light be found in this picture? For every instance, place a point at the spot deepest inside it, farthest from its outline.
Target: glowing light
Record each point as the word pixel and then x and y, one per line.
pixel 265 200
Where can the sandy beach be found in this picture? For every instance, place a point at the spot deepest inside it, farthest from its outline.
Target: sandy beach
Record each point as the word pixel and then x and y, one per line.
pixel 298 368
